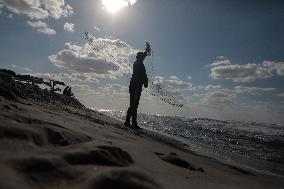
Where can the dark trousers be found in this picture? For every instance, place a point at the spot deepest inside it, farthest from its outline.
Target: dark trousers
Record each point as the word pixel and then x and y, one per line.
pixel 132 110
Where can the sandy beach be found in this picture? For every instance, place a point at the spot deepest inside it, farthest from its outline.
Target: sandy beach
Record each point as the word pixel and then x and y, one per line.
pixel 137 94
pixel 56 145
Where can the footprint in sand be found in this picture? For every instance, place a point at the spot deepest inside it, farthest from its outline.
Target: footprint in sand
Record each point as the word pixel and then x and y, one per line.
pixel 121 179
pixel 42 170
pixel 103 155
pixel 175 160
pixel 11 107
pixel 41 136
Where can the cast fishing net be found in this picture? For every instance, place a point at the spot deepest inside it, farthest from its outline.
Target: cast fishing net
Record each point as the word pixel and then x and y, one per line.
pixel 119 58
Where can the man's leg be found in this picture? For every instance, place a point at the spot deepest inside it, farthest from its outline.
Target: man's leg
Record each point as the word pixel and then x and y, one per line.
pixel 129 111
pixel 128 117
pixel 136 99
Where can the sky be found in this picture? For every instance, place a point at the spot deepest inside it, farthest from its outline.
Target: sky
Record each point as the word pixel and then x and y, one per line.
pixel 221 59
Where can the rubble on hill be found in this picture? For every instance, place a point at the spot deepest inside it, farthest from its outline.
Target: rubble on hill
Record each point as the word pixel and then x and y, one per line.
pixel 15 86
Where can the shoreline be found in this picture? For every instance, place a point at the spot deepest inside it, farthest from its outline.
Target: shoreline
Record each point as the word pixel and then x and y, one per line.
pixel 233 159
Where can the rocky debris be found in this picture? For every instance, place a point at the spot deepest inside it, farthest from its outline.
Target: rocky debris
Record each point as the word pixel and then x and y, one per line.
pixel 14 87
pixel 53 83
pixel 67 91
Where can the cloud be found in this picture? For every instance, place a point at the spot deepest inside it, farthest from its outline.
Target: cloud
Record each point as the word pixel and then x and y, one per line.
pixel 20 68
pixel 213 87
pixel 96 28
pixel 265 106
pixel 221 61
pixel 110 96
pixel 174 84
pixel 47 31
pixel 280 70
pixel 39 9
pixel 277 67
pixel 215 95
pixel 240 73
pixel 76 77
pixel 83 90
pixel 159 78
pixel 132 2
pixel 219 98
pixel 251 90
pixel 37 24
pixel 10 16
pixel 281 94
pixel 174 77
pixel 42 27
pixel 113 90
pixel 69 27
pixel 108 4
pixel 239 89
pixel 224 69
pixel 105 57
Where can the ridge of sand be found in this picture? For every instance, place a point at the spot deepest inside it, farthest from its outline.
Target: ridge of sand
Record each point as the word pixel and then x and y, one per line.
pixel 54 145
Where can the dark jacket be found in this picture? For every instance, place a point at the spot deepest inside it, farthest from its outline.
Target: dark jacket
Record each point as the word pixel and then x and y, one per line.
pixel 139 76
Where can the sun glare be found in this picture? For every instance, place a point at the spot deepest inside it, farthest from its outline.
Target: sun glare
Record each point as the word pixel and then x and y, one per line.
pixel 113 6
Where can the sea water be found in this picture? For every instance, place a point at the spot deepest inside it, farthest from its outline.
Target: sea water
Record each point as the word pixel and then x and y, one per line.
pixel 258 146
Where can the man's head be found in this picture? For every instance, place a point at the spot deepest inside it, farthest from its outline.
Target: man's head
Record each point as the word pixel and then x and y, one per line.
pixel 140 56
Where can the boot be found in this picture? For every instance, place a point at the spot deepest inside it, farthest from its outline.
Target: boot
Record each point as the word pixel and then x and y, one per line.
pixel 134 122
pixel 128 116
pixel 135 125
pixel 127 124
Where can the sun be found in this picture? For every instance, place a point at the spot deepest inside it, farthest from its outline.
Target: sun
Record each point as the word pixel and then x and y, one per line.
pixel 113 6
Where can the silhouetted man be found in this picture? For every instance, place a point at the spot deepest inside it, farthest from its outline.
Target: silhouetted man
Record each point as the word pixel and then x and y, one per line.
pixel 138 79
